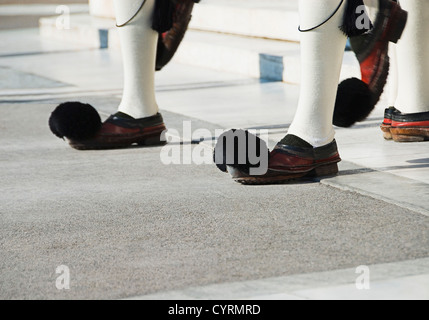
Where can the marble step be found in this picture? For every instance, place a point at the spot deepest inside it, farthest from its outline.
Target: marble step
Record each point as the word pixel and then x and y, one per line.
pixel 257 57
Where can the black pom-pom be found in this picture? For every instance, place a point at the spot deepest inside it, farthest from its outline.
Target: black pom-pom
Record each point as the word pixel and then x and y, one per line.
pixel 75 121
pixel 233 149
pixel 353 104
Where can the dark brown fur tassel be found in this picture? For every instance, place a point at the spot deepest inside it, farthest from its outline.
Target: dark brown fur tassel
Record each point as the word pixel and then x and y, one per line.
pixel 163 15
pixel 353 24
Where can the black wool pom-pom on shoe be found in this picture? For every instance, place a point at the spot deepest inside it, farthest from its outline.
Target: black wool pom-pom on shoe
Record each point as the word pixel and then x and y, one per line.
pixel 75 121
pixel 239 149
pixel 81 124
pixel 354 103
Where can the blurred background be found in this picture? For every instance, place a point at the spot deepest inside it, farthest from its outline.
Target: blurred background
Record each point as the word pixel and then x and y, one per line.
pixel 28 20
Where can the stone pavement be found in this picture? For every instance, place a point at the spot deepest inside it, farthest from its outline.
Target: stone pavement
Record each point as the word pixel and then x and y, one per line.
pixel 127 226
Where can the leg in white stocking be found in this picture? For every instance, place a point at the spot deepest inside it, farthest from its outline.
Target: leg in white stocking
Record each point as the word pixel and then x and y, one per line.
pixel 321 59
pixel 139 42
pixel 413 62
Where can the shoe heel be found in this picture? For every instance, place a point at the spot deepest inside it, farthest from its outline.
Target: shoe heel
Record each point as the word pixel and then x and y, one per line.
pixel 387 135
pixel 326 170
pixel 405 138
pixel 398 21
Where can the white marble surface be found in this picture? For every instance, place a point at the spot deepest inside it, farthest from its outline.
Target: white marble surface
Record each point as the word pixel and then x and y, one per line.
pixel 40 9
pixel 274 19
pixel 407 280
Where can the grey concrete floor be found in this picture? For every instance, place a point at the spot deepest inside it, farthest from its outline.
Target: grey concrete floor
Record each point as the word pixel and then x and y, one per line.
pixel 128 226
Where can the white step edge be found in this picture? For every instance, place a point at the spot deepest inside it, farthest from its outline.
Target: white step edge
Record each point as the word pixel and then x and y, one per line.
pixel 274 19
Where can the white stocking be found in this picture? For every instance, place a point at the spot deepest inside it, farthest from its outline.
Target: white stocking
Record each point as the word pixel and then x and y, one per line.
pixel 322 53
pixel 139 44
pixel 413 61
pixel 393 76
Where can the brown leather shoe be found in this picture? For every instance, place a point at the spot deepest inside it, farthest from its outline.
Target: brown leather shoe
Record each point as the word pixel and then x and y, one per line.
pixel 169 41
pixel 412 127
pixel 121 131
pixel 288 163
